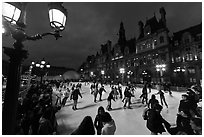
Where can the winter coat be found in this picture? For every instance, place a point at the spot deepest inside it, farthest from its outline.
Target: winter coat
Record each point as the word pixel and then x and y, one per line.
pixel 109 128
pixel 152 102
pixel 101 90
pixel 45 127
pixel 110 96
pixel 98 122
pixel 185 106
pixel 154 122
pixel 86 127
pixel 75 94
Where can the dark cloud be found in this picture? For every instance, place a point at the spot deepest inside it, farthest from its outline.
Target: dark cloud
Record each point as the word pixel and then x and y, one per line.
pixel 91 24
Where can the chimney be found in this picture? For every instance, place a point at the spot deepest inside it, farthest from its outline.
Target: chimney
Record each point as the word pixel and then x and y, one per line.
pixel 141 29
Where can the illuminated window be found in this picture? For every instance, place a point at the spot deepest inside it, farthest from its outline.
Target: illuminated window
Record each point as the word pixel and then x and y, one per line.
pixel 178 59
pixel 189 57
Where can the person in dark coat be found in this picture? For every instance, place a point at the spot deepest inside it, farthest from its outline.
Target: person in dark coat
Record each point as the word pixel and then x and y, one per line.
pixel 128 96
pixel 155 120
pixel 184 115
pixel 74 96
pixel 45 125
pixel 85 128
pixel 100 92
pixel 120 91
pixel 98 120
pixel 110 97
pixel 162 97
pixel 144 94
pixel 152 102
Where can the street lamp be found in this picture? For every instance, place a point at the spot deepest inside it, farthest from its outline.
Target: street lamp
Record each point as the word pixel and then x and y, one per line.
pixel 161 68
pixel 42 65
pixel 122 72
pixel 102 73
pixel 13 17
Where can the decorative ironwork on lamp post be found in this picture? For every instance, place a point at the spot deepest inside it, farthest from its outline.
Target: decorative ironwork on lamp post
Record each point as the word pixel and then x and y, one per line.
pixel 13 19
pixel 122 72
pixel 102 73
pixel 42 66
pixel 161 68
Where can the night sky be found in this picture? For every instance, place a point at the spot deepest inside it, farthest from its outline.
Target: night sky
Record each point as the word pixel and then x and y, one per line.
pixel 91 24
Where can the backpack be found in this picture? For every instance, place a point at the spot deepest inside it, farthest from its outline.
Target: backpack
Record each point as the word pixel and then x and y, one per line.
pixel 145 113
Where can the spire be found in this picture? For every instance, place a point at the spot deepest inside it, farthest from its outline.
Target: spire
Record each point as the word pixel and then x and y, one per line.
pixel 163 16
pixel 122 38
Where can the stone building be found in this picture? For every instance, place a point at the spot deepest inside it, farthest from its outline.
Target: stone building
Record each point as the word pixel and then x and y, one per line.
pixel 152 56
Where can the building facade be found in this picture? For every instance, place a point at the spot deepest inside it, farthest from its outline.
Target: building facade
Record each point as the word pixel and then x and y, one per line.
pixel 151 57
pixel 186 56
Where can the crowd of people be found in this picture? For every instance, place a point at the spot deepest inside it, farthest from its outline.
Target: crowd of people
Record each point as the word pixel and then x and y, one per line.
pixel 36 111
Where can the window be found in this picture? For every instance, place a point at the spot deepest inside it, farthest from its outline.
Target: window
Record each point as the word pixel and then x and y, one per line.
pixel 178 59
pixel 189 57
pixel 192 80
pixel 161 39
pixel 191 70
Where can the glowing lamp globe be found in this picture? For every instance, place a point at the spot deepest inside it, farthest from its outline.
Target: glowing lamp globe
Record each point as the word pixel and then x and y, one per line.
pixel 57 15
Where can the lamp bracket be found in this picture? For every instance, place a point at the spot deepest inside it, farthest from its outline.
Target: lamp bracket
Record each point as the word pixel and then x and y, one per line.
pixel 56 34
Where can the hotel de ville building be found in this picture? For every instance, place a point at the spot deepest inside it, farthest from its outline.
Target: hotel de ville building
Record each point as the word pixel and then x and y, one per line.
pixel 153 56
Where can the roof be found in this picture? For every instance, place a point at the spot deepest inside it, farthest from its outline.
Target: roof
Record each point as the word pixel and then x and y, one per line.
pixel 192 30
pixel 154 24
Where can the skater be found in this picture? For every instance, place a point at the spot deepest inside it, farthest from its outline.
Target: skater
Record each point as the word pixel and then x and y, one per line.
pixel 98 120
pixel 110 97
pixel 58 95
pixel 66 95
pixel 74 96
pixel 149 87
pixel 127 98
pixel 120 90
pixel 85 128
pixel 95 92
pixel 109 126
pixel 152 102
pixel 162 97
pixel 144 94
pixel 100 92
pixel 184 115
pixel 155 120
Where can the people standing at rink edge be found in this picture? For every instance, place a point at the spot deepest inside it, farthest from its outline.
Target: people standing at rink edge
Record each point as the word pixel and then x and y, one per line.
pixel 86 127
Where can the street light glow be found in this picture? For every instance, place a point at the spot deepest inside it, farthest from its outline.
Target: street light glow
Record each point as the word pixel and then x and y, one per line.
pixel 122 70
pixel 37 65
pixel 10 13
pixel 102 72
pixel 3 29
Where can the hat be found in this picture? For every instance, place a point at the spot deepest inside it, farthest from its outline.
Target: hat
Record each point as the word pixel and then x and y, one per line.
pixel 106 117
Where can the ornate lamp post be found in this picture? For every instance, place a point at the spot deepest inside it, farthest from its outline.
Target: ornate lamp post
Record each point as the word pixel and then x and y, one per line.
pixel 13 18
pixel 180 75
pixel 42 66
pixel 122 72
pixel 161 68
pixel 102 73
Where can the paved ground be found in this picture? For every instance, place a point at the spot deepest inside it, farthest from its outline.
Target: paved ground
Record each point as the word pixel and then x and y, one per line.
pixel 128 121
